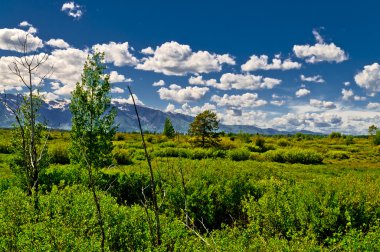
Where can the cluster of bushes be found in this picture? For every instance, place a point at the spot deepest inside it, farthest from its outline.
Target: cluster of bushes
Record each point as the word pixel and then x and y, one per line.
pixel 325 211
pixel 294 155
pixel 339 155
pixel 262 210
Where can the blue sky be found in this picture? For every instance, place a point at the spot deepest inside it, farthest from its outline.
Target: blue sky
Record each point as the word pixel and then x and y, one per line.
pixel 280 64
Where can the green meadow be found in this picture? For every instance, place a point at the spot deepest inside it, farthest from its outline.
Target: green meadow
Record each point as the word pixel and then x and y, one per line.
pixel 251 193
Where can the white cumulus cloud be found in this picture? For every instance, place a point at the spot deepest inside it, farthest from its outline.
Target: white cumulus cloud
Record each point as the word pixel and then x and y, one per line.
pixel 322 104
pixel 316 78
pixel 10 40
pixel 58 43
pixel 182 95
pixel 72 9
pixel 369 78
pixel 117 53
pixel 261 63
pixel 302 92
pixel 172 58
pixel 159 83
pixel 320 52
pixel 238 101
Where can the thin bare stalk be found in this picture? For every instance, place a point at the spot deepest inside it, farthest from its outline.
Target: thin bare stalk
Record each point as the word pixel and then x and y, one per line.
pixel 152 183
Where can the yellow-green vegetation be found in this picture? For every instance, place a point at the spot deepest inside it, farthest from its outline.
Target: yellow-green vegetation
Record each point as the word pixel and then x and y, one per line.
pixel 250 193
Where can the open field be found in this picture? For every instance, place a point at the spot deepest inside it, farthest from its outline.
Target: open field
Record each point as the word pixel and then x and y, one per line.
pixel 274 193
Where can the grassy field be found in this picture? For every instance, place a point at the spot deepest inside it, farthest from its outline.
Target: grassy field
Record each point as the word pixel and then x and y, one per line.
pixel 252 193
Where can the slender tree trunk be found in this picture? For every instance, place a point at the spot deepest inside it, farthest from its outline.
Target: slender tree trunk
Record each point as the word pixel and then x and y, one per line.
pixel 152 183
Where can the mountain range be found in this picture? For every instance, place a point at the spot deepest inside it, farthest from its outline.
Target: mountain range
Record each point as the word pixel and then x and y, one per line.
pixel 57 116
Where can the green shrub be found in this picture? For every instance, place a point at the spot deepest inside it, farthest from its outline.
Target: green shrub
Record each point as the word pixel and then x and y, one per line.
pixel 59 154
pixel 283 142
pixel 335 135
pixel 172 152
pixel 200 153
pixel 340 155
pixel 260 142
pixel 120 136
pixel 122 156
pixel 376 139
pixel 294 155
pixel 256 156
pixel 238 154
pixel 5 148
pixel 349 140
pixel 168 144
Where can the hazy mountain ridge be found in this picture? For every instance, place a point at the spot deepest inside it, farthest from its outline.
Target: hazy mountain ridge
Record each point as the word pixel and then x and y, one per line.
pixel 57 115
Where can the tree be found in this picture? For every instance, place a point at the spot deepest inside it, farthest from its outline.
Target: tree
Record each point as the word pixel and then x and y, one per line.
pixel 92 125
pixel 168 128
pixel 30 136
pixel 204 128
pixel 372 130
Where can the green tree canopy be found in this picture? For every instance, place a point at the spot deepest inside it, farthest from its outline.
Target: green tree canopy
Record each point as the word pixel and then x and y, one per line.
pixel 372 130
pixel 168 128
pixel 204 128
pixel 92 116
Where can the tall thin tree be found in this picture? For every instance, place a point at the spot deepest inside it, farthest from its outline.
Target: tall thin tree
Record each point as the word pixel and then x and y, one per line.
pixel 93 126
pixel 30 137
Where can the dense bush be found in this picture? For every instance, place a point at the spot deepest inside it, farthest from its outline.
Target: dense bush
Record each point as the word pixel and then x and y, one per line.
pixel 122 156
pixel 325 210
pixel 334 135
pixel 294 155
pixel 5 148
pixel 283 142
pixel 59 154
pixel 340 155
pixel 238 154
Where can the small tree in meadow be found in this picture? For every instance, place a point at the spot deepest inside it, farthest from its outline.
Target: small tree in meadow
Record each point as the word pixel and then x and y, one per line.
pixel 92 125
pixel 168 128
pixel 372 130
pixel 204 128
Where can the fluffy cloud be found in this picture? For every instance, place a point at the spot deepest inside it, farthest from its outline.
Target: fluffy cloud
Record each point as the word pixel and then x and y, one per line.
pixel 172 58
pixel 182 95
pixel 369 78
pixel 230 81
pixel 68 65
pixel 244 117
pixel 374 105
pixel 58 43
pixel 302 92
pixel 278 102
pixel 72 9
pixel 10 40
pixel 117 53
pixel 159 83
pixel 320 51
pixel 238 101
pixel 115 77
pixel 117 90
pixel 311 121
pixel 347 94
pixel 316 78
pixel 31 29
pixel 322 104
pixel 122 101
pixel 188 110
pixel 261 63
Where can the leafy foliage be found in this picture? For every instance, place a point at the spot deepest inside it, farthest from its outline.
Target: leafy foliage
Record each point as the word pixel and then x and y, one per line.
pixel 204 128
pixel 168 128
pixel 92 116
